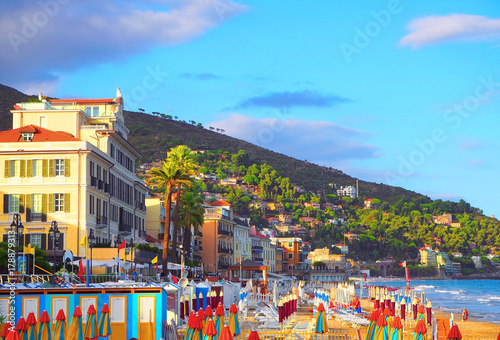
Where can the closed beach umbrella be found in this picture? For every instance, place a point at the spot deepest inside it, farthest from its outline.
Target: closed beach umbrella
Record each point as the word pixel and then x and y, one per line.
pixel 454 333
pixel 186 305
pixel 421 312
pixel 370 334
pixel 428 309
pixel 190 323
pixel 22 328
pixel 221 297
pixel 420 330
pixel 382 331
pixel 377 302
pixel 91 328
pixel 321 323
pixel 234 322
pixel 210 332
pixel 414 306
pixel 212 299
pixel 197 326
pixel 253 336
pixel 13 335
pixel 200 300
pixel 61 326
pixel 393 305
pixel 193 301
pixel 208 314
pixel 225 334
pixel 219 319
pixel 403 308
pixel 280 311
pixel 75 331
pixel 44 330
pixel 396 332
pixel 6 330
pixel 201 315
pixel 32 331
pixel 104 323
pixel 181 307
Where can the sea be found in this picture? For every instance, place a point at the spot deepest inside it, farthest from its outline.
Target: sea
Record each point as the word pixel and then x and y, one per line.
pixel 481 298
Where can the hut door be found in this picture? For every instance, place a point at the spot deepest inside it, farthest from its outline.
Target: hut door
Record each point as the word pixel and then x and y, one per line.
pixel 147 318
pixel 118 317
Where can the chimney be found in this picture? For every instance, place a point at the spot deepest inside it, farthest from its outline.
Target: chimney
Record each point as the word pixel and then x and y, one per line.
pixel 118 93
pixel 40 96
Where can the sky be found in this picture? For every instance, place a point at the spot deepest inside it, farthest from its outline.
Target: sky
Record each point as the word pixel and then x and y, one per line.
pixel 398 92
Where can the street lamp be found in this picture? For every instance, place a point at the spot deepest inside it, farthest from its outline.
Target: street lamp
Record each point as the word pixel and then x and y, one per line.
pixel 54 231
pixel 91 245
pixel 17 227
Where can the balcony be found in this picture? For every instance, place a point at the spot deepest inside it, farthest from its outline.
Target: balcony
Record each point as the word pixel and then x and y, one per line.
pixel 223 266
pixel 93 181
pixel 199 234
pixel 198 249
pixel 106 187
pixel 36 216
pixel 224 250
pixel 102 221
pixel 100 184
pixel 125 228
pixel 257 248
pixel 223 232
pixel 258 259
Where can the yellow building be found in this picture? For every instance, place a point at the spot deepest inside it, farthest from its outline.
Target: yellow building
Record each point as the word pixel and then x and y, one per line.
pixel 427 257
pixel 70 161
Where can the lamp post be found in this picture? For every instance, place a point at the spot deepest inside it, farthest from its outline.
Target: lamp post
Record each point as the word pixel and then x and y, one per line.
pixel 17 227
pixel 91 245
pixel 54 231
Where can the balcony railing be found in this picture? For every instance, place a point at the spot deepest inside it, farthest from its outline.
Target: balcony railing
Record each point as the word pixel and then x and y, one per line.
pixel 257 248
pixel 100 184
pixel 102 220
pixel 93 181
pixel 36 216
pixel 223 266
pixel 125 228
pixel 258 259
pixel 224 232
pixel 225 250
pixel 198 249
pixel 199 234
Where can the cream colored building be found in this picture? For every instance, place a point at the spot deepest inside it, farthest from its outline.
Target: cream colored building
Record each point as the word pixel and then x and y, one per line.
pixel 70 161
pixel 242 242
pixel 427 257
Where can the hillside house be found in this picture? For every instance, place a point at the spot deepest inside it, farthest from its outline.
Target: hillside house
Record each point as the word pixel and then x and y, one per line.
pixel 368 204
pixel 312 204
pixel 285 218
pixel 445 219
pixel 304 220
pixel 273 220
pixel 351 236
pixel 344 248
pixel 348 191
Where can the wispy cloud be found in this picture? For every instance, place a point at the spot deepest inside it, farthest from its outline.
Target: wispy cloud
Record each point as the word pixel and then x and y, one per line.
pixel 199 76
pixel 306 98
pixel 453 27
pixel 79 34
pixel 475 162
pixel 470 146
pixel 317 141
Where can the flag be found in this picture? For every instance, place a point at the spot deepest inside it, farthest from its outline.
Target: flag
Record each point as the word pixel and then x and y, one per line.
pixel 155 260
pixel 29 249
pixel 122 246
pixel 83 241
pixel 403 264
pixel 81 270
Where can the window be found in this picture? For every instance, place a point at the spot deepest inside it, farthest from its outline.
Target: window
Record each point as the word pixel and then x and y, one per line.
pixel 43 121
pixel 36 204
pixel 37 168
pixel 91 205
pixel 290 244
pixel 290 255
pixel 92 111
pixel 58 202
pixel 14 203
pixel 36 240
pixel 15 168
pixel 59 167
pixel 27 136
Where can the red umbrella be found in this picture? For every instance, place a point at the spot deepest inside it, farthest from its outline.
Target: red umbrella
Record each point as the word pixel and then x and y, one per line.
pixel 186 305
pixel 212 299
pixel 181 303
pixel 414 311
pixel 225 334
pixel 208 312
pixel 377 303
pixel 454 333
pixel 6 330
pixel 200 300
pixel 194 299
pixel 22 327
pixel 13 335
pixel 219 310
pixel 393 305
pixel 202 317
pixel 387 311
pixel 280 311
pixel 210 330
pixel 428 308
pixel 403 308
pixel 253 336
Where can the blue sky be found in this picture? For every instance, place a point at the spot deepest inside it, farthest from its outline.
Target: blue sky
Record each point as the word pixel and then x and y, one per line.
pixel 399 92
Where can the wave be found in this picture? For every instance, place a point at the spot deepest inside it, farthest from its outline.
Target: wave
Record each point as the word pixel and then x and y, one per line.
pixel 454 292
pixel 424 286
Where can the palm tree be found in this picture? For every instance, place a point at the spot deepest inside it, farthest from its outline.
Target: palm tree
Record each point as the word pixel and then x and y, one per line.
pixel 183 158
pixel 167 176
pixel 191 213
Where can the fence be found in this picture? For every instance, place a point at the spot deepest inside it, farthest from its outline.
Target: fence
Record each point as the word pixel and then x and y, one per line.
pixel 290 334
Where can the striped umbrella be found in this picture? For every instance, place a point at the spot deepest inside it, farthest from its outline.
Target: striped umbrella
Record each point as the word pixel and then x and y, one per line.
pixel 219 319
pixel 190 329
pixel 197 328
pixel 44 330
pixel 225 334
pixel 454 333
pixel 396 332
pixel 201 314
pixel 76 328
pixel 91 328
pixel 208 315
pixel 381 331
pixel 13 335
pixel 6 330
pixel 372 325
pixel 420 330
pixel 32 327
pixel 210 332
pixel 421 312
pixel 22 328
pixel 104 325
pixel 234 322
pixel 61 326
pixel 321 323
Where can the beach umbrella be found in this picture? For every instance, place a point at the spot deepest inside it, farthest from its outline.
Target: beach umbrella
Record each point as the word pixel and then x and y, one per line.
pixel 414 306
pixel 13 335
pixel 22 328
pixel 428 309
pixel 212 300
pixel 403 308
pixel 420 330
pixel 421 312
pixel 321 323
pixel 210 332
pixel 193 301
pixel 377 302
pixel 208 313
pixel 280 311
pixel 61 326
pixel 197 326
pixel 253 336
pixel 219 319
pixel 75 331
pixel 181 307
pixel 393 305
pixel 104 323
pixel 200 300
pixel 454 333
pixel 6 330
pixel 396 332
pixel 201 314
pixel 370 334
pixel 190 323
pixel 44 330
pixel 91 328
pixel 221 297
pixel 234 322
pixel 186 305
pixel 32 329
pixel 225 334
pixel 382 331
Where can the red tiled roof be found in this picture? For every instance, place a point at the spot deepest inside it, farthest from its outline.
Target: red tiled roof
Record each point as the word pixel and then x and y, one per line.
pixel 221 203
pixel 83 101
pixel 40 135
pixel 150 238
pixel 262 236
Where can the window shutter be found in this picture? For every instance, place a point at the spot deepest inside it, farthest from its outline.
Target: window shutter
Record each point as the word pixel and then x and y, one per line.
pixel 7 169
pixel 21 203
pixel 44 242
pixel 28 207
pixel 23 168
pixel 49 241
pixel 29 168
pixel 51 168
pixel 45 168
pixel 51 203
pixel 5 203
pixel 67 167
pixel 61 241
pixel 5 238
pixel 27 239
pixel 44 207
pixel 66 203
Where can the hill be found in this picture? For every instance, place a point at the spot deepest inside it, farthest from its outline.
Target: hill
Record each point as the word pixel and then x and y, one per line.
pixel 153 136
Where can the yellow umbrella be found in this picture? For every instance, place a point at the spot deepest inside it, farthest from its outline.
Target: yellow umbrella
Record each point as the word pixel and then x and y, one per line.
pixel 32 327
pixel 61 326
pixel 234 323
pixel 44 332
pixel 104 325
pixel 76 327
pixel 91 328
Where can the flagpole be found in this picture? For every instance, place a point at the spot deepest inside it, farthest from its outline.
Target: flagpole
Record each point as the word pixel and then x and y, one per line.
pixel 87 259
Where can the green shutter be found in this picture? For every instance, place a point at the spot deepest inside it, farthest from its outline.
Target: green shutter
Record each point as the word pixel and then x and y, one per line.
pixel 44 207
pixel 29 168
pixel 21 203
pixel 7 169
pixel 45 168
pixel 66 168
pixel 51 203
pixel 51 168
pixel 28 207
pixel 66 203
pixel 23 168
pixel 5 204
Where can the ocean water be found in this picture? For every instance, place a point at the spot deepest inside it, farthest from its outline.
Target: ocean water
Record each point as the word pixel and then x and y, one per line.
pixel 481 298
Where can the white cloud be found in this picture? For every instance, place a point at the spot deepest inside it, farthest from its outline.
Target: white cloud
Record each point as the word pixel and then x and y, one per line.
pixel 317 141
pixel 453 27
